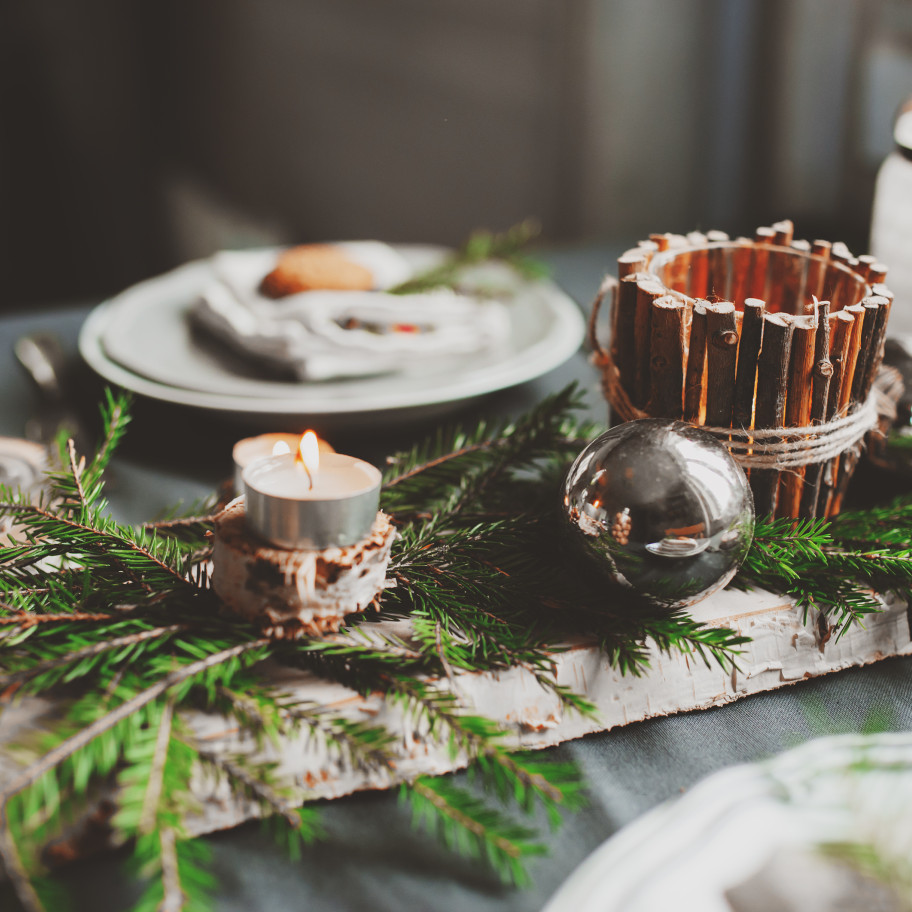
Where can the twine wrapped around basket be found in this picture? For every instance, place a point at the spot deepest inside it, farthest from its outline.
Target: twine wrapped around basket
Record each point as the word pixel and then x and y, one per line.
pixel 772 345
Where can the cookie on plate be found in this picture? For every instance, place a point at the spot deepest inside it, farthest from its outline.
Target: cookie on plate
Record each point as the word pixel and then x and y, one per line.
pixel 312 266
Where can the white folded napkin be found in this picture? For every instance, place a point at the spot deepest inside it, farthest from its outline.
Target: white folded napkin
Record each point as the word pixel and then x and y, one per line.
pixel 323 335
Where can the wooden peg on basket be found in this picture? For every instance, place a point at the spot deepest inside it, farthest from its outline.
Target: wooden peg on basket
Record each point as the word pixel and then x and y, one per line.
pixel 769 411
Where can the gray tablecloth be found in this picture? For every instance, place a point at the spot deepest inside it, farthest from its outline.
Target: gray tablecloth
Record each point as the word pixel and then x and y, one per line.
pixel 372 858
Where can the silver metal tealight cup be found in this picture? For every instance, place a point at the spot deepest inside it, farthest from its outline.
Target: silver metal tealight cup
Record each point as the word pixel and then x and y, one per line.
pixel 312 522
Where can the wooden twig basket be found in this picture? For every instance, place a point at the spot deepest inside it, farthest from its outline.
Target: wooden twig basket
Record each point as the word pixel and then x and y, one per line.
pixel 770 343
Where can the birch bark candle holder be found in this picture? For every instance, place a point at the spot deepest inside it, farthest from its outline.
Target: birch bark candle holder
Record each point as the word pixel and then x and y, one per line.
pixel 770 343
pixel 290 593
pixel 306 545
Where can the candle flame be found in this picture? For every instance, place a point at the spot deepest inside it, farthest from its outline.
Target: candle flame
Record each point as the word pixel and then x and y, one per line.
pixel 280 448
pixel 308 454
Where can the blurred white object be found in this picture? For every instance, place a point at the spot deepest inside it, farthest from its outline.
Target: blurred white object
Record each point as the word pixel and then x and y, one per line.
pixel 23 468
pixel 725 839
pixel 891 224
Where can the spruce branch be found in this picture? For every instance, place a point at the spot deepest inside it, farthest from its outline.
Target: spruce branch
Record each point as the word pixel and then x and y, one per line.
pixel 308 829
pixel 418 467
pixel 176 870
pixel 252 708
pixel 834 566
pixel 153 800
pixel 887 524
pixel 247 782
pixel 72 745
pixel 191 525
pixel 442 654
pixel 480 739
pixel 447 475
pixel 124 710
pixel 623 640
pixel 481 577
pixel 70 658
pixel 480 247
pixel 115 415
pixel 353 662
pixel 261 709
pixel 102 540
pixel 473 829
pixel 507 773
pixel 367 746
pixel 522 443
pixel 254 780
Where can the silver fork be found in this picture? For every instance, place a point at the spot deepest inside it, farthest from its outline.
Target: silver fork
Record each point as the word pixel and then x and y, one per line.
pixel 44 360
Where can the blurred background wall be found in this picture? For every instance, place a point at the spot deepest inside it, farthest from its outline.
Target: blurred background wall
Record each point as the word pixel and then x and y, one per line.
pixel 138 134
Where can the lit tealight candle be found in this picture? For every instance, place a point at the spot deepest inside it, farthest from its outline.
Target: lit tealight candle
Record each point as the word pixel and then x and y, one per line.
pixel 251 448
pixel 306 499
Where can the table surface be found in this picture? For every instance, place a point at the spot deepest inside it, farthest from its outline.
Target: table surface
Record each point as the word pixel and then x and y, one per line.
pixel 372 858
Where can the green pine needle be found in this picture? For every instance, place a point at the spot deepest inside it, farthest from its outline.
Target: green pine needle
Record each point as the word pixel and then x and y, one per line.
pixel 835 567
pixel 472 828
pixel 481 247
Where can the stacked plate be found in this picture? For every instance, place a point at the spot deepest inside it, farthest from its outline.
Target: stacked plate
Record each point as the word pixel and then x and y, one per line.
pixel 143 340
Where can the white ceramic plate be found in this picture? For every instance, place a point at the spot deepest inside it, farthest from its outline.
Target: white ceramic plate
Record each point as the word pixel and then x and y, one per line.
pixel 157 355
pixel 738 825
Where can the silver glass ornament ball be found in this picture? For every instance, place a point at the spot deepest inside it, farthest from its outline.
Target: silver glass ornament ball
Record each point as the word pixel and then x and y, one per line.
pixel 662 508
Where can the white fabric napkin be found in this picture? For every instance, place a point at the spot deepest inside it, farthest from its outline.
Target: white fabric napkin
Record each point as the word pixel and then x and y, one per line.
pixel 308 334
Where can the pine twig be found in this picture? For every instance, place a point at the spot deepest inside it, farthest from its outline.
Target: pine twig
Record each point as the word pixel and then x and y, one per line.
pixel 366 744
pixel 238 775
pixel 157 771
pixel 76 468
pixel 15 870
pixel 474 734
pixel 448 669
pixel 68 747
pixel 437 461
pixel 88 652
pixel 474 829
pixel 109 537
pixel 8 850
pixel 173 898
pixel 116 416
pixel 480 246
pixel 29 619
pixel 421 787
pixel 181 523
